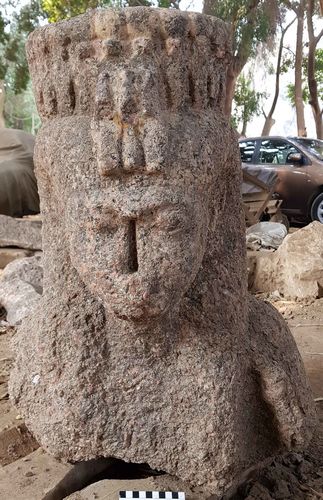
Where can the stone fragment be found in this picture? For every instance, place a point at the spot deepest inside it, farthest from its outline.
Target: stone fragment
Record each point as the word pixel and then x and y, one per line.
pixel 145 345
pixel 16 443
pixel 19 299
pixel 295 269
pixel 21 288
pixel 29 270
pixel 21 233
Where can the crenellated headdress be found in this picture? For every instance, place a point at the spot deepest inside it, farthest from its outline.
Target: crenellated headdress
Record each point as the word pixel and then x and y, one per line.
pixel 117 63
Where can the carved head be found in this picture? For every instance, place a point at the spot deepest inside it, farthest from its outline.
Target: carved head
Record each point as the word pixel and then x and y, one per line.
pixel 139 245
pixel 125 144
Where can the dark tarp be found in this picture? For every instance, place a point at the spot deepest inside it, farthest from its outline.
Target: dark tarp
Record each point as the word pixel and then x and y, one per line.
pixel 18 186
pixel 268 176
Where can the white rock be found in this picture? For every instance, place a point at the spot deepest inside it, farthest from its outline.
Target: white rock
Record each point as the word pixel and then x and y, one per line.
pixel 296 268
pixel 21 288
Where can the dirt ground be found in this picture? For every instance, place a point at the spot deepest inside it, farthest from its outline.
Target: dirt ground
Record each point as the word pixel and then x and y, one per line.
pixel 27 472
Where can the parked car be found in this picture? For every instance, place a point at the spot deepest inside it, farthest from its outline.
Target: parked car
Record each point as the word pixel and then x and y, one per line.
pixel 298 162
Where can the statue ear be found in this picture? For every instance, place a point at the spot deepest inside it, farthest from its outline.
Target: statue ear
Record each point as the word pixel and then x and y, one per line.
pixel 43 171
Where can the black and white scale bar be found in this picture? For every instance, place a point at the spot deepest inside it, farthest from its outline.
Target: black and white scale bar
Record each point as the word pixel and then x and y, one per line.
pixel 168 495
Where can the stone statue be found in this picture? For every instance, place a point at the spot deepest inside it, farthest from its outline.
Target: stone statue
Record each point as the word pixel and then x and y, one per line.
pixel 146 346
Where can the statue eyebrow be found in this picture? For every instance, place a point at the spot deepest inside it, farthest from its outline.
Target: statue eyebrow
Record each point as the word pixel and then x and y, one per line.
pixel 102 209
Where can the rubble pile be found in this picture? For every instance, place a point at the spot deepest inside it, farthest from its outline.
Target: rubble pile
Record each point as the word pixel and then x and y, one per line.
pixel 295 270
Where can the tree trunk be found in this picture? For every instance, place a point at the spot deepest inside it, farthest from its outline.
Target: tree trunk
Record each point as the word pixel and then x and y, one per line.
pixel 318 125
pixel 299 103
pixel 269 122
pixel 208 7
pixel 312 83
pixel 2 98
pixel 244 128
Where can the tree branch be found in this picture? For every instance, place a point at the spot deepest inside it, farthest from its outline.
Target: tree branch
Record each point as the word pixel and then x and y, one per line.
pixel 269 117
pixel 292 6
pixel 318 37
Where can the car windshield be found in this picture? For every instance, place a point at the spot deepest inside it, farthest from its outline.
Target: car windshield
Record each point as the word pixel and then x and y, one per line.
pixel 314 146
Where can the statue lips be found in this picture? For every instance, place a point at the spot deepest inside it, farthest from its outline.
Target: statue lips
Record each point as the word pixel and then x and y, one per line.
pixel 139 299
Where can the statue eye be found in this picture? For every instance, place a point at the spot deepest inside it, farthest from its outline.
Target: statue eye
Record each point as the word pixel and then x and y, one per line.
pixel 107 227
pixel 171 223
pixel 102 223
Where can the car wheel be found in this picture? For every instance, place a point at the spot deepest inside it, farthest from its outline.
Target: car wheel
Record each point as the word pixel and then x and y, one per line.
pixel 317 208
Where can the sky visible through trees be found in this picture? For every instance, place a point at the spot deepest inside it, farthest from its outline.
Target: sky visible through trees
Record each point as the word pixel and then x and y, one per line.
pixel 285 115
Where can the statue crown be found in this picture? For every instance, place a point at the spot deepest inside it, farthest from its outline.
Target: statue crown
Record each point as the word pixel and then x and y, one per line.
pixel 139 59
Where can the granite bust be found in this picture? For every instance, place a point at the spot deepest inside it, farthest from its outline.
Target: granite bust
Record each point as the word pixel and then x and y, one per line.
pixel 146 345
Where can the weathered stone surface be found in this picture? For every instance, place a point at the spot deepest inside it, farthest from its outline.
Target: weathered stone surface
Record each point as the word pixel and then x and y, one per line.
pixel 15 443
pixel 29 270
pixel 21 288
pixel 145 345
pixel 296 268
pixel 21 233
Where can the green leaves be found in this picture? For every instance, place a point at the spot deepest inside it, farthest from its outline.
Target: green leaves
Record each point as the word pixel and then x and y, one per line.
pixel 14 30
pixel 253 24
pixel 252 21
pixel 57 10
pixel 318 76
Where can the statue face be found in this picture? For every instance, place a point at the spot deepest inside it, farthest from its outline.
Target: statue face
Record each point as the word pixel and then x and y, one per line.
pixel 138 245
pixel 134 120
pixel 137 206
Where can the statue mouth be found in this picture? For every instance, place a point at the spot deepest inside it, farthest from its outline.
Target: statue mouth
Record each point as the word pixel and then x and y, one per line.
pixel 139 308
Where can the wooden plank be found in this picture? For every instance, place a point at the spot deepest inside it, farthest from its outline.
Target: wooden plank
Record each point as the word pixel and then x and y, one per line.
pixel 259 196
pixel 254 207
pixel 249 216
pixel 253 210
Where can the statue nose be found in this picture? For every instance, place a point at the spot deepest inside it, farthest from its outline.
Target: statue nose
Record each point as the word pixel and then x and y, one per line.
pixel 133 265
